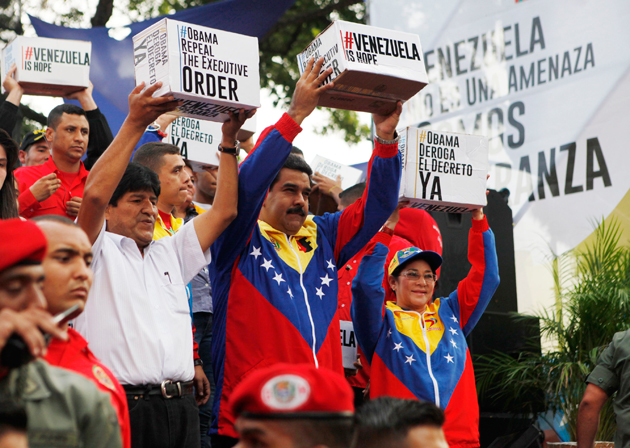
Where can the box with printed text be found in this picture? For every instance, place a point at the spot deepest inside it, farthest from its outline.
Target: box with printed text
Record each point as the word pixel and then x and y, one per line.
pixel 211 71
pixel 50 67
pixel 329 168
pixel 198 140
pixel 443 171
pixel 373 68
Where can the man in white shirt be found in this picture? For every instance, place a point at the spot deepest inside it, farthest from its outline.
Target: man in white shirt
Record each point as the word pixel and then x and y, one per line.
pixel 137 319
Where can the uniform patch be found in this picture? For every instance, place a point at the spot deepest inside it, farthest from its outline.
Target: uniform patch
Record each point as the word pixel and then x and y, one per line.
pixel 304 245
pixel 285 392
pixel 103 377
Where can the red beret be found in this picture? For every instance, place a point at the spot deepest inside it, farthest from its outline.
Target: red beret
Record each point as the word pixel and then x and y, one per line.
pixel 20 241
pixel 293 391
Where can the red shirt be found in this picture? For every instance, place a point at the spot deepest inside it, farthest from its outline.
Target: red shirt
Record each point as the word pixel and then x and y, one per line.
pixel 75 355
pixel 72 185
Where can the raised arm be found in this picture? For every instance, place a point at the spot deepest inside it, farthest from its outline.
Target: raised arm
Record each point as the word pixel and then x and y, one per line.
pixel 100 134
pixel 11 104
pixel 357 224
pixel 211 224
pixel 264 162
pixel 368 296
pixel 474 292
pixel 110 167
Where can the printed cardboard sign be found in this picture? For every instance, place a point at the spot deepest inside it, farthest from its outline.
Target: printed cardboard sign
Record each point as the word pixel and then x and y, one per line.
pixel 198 140
pixel 211 71
pixel 373 67
pixel 443 171
pixel 332 169
pixel 51 67
pixel 348 344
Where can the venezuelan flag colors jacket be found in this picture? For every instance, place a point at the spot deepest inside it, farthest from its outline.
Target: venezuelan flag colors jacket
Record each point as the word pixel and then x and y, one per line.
pixel 275 295
pixel 424 356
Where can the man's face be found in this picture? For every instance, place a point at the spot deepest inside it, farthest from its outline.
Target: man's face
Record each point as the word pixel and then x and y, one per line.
pixel 286 206
pixel 70 138
pixel 22 287
pixel 173 180
pixel 66 266
pixel 263 434
pixel 206 180
pixel 36 154
pixel 425 437
pixel 134 216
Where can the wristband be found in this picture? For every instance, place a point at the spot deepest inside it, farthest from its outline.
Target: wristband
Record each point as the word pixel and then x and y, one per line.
pixel 387 142
pixel 333 187
pixel 198 362
pixel 387 231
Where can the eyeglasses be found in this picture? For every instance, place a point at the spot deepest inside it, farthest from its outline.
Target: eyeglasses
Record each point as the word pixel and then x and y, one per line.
pixel 414 275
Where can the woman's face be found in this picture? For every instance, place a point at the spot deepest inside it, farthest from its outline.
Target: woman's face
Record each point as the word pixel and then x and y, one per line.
pixel 3 165
pixel 414 293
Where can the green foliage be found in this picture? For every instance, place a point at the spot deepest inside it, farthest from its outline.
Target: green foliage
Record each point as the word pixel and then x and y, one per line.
pixel 592 304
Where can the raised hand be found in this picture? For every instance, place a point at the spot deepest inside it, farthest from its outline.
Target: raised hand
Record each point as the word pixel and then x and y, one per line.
pixel 144 109
pixel 231 127
pixel 386 124
pixel 308 89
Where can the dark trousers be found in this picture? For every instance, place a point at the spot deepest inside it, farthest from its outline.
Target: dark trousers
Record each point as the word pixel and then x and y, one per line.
pixel 203 337
pixel 158 422
pixel 223 441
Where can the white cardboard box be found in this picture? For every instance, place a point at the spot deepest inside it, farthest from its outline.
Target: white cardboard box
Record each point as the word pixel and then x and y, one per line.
pixel 211 71
pixel 198 140
pixel 51 67
pixel 373 67
pixel 443 171
pixel 332 169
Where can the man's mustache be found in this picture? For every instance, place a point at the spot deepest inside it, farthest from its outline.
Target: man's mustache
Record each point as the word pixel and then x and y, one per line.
pixel 297 210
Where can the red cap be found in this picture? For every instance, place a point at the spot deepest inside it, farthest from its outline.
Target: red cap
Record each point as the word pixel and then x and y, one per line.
pixel 20 241
pixel 298 391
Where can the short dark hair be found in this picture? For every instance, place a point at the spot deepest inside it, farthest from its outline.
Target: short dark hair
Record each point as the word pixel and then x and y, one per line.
pixel 351 194
pixel 331 432
pixel 8 195
pixel 55 115
pixel 385 422
pixel 296 163
pixel 297 151
pixel 12 415
pixel 136 178
pixel 56 218
pixel 152 154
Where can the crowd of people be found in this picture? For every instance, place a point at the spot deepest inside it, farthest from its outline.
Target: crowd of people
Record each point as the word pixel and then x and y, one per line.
pixel 151 301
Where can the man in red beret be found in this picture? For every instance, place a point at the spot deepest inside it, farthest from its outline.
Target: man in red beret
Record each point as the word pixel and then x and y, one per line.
pixel 62 407
pixel 293 405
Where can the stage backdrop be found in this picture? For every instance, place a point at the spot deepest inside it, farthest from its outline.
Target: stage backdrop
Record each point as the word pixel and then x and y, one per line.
pixel 548 83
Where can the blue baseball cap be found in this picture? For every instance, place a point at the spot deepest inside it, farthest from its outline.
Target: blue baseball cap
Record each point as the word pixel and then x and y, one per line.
pixel 412 253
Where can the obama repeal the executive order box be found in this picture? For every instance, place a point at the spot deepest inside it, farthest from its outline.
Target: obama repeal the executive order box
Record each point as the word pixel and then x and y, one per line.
pixel 443 171
pixel 213 72
pixel 198 140
pixel 373 67
pixel 51 67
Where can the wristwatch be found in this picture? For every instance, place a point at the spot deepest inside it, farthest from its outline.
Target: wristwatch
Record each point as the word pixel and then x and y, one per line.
pixel 198 362
pixel 231 150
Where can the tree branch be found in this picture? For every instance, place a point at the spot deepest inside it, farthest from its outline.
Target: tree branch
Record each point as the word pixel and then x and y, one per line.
pixel 103 13
pixel 316 13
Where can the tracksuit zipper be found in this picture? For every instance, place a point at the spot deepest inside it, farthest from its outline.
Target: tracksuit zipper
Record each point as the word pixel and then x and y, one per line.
pixel 308 307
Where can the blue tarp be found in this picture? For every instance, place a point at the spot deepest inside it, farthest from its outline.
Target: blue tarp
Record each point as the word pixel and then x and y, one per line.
pixel 112 71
